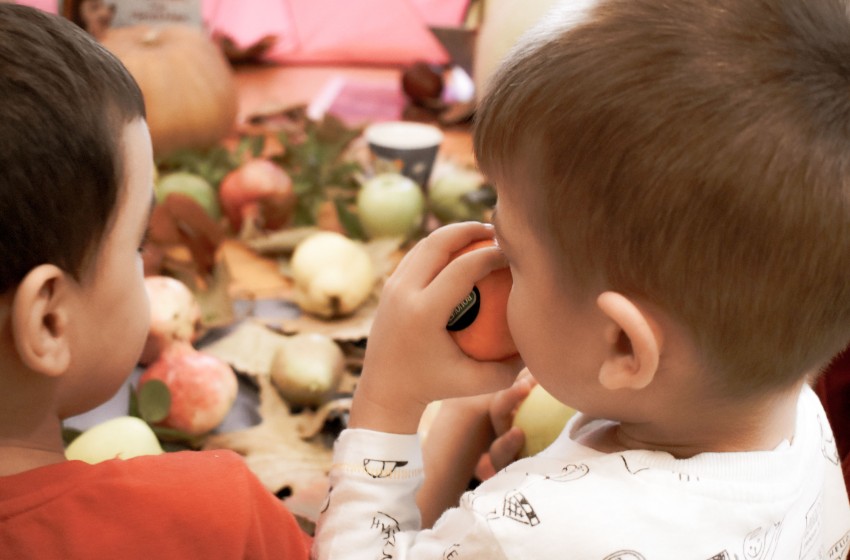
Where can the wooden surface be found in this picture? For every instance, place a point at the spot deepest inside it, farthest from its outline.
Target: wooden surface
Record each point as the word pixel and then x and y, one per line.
pixel 269 87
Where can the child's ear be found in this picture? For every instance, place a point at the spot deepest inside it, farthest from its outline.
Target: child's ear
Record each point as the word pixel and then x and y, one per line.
pixel 634 345
pixel 40 320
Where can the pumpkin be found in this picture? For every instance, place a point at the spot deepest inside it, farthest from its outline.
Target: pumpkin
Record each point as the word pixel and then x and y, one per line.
pixel 188 85
pixel 504 23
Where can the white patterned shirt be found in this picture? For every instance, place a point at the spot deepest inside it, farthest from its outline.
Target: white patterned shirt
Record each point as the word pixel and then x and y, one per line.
pixel 571 501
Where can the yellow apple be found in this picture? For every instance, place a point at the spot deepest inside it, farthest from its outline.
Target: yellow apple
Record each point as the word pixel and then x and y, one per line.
pixel 122 437
pixel 542 418
pixel 308 368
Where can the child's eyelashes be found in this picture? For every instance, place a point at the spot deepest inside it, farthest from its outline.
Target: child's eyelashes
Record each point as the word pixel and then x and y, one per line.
pixel 144 240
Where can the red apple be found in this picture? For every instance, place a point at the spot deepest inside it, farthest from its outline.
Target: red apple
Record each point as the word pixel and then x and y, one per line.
pixel 260 191
pixel 175 316
pixel 203 388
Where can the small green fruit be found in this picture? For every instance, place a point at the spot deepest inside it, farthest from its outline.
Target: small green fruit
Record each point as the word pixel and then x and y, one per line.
pixel 542 418
pixel 123 437
pixel 308 368
pixel 390 205
pixel 447 196
pixel 191 185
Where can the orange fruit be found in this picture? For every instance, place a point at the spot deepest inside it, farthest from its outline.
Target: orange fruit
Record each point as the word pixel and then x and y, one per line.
pixel 479 324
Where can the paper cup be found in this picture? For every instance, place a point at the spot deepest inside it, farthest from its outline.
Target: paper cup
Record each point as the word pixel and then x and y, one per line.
pixel 404 147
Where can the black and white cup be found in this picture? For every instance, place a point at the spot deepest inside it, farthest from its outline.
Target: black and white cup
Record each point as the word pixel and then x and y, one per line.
pixel 408 148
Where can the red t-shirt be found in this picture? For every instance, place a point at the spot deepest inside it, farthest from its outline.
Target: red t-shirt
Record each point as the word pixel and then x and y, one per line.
pixel 178 505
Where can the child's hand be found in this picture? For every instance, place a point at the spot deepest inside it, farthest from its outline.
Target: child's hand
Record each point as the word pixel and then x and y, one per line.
pixel 410 358
pixel 509 439
pixel 469 437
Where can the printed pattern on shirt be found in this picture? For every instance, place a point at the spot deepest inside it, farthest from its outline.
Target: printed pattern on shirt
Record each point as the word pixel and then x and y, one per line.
pixel 760 544
pixel 632 470
pixel 828 447
pixel 388 528
pixel 839 550
pixel 625 555
pixel 809 546
pixel 452 552
pixel 517 508
pixel 569 473
pixel 378 468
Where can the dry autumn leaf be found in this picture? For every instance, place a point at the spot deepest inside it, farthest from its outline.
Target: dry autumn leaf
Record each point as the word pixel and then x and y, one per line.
pixel 276 452
pixel 252 275
pixel 180 223
pixel 251 346
pixel 351 328
pixel 214 298
pixel 248 349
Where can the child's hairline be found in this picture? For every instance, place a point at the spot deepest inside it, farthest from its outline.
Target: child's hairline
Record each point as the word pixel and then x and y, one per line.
pixel 119 124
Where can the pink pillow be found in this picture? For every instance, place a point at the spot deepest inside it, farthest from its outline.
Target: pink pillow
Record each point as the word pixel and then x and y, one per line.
pixel 51 6
pixel 330 31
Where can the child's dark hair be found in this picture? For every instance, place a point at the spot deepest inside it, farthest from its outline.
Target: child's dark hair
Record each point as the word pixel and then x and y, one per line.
pixel 695 155
pixel 64 102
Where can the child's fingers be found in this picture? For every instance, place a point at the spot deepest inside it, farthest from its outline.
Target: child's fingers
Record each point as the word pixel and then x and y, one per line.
pixel 484 469
pixel 504 403
pixel 456 280
pixel 482 377
pixel 506 448
pixel 430 255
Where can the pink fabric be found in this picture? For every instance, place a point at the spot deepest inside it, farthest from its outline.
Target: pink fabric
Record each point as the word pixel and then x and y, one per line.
pixel 50 6
pixel 329 31
pixel 442 13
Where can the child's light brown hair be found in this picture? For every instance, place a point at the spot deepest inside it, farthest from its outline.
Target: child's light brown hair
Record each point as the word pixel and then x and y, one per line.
pixel 697 155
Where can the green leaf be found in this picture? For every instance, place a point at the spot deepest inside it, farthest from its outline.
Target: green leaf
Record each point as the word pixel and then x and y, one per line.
pixel 349 220
pixel 154 401
pixel 304 215
pixel 70 434
pixel 212 164
pixel 133 405
pixel 250 147
pixel 178 437
pixel 302 187
pixel 314 161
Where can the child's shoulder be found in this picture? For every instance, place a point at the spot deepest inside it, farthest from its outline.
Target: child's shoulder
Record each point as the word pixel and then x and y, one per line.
pixel 571 477
pixel 214 484
pixel 190 504
pixel 571 493
pixel 213 475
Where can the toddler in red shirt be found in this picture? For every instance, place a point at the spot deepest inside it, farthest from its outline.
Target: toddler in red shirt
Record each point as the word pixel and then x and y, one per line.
pixel 76 189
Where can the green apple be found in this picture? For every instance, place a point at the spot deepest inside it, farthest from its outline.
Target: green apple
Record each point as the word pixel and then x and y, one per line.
pixel 308 368
pixel 541 417
pixel 122 437
pixel 192 185
pixel 390 205
pixel 447 196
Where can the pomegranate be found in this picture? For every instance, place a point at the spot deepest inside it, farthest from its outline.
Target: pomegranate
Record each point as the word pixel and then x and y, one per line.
pixel 203 388
pixel 175 315
pixel 259 191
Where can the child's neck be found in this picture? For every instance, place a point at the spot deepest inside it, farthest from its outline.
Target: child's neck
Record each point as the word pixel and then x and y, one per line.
pixel 29 441
pixel 756 425
pixel 18 457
